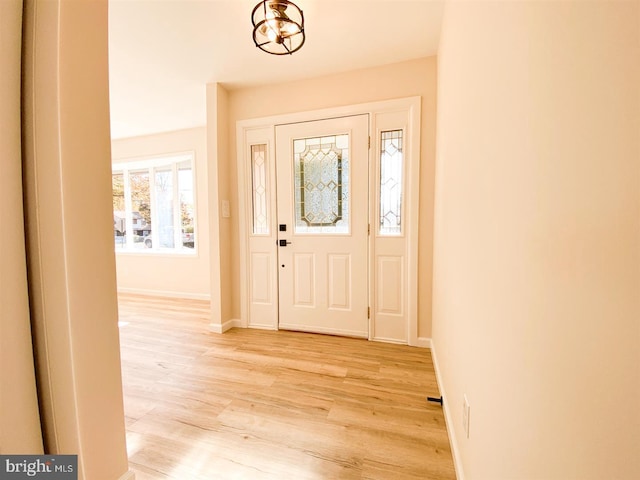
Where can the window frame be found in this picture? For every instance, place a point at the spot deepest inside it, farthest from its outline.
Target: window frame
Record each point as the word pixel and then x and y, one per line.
pixel 152 165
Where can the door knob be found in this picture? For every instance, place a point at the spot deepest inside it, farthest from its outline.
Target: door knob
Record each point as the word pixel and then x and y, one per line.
pixel 283 243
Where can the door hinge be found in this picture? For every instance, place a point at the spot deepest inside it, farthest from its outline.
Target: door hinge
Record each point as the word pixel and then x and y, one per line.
pixel 369 143
pixel 369 229
pixel 368 312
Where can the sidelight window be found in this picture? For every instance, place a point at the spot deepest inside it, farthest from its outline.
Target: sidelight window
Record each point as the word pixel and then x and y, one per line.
pixel 259 189
pixel 391 181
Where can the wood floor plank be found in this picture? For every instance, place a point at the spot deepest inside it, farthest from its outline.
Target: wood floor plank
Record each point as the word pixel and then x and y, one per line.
pixel 263 405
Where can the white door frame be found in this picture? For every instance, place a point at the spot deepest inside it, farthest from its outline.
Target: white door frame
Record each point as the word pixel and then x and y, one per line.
pixel 397 320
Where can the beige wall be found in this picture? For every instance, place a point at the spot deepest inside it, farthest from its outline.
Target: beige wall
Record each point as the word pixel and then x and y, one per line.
pixel 179 275
pixel 228 295
pixel 537 237
pixel 219 188
pixel 19 417
pixel 72 277
pixel 413 78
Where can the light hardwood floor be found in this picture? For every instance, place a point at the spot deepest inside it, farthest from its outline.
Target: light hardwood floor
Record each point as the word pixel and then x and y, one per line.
pixel 253 404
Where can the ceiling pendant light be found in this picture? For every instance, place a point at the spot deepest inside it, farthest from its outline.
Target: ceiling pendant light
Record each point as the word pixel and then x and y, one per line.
pixel 278 27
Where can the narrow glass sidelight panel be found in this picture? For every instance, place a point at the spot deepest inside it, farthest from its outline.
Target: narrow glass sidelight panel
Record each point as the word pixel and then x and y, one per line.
pixel 164 202
pixel 259 189
pixel 119 213
pixel 140 206
pixel 321 184
pixel 391 181
pixel 187 203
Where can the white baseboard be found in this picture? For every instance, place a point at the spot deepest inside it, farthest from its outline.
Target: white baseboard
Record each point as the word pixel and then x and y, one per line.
pixel 423 342
pixel 130 475
pixel 165 293
pixel 455 450
pixel 262 327
pixel 221 328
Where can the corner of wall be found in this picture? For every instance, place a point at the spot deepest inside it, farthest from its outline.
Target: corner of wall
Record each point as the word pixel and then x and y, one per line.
pixel 446 406
pixel 130 475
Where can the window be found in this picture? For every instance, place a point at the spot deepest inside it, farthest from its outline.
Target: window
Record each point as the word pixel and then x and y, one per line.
pixel 153 205
pixel 259 188
pixel 391 178
pixel 321 184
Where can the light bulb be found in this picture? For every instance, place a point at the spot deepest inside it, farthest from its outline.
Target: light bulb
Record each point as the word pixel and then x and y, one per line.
pixel 273 29
pixel 291 28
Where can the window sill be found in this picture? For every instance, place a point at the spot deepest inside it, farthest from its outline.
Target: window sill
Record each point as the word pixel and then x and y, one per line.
pixel 186 253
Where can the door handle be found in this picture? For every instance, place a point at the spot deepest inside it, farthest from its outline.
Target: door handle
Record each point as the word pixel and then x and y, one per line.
pixel 283 243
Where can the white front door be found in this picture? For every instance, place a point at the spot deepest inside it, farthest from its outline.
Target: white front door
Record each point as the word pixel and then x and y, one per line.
pixel 322 217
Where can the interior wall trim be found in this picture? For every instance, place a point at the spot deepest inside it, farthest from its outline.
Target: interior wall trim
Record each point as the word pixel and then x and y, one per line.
pixel 228 325
pixel 165 293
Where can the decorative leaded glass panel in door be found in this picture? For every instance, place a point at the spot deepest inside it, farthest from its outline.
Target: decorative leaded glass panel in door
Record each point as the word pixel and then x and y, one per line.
pixel 321 184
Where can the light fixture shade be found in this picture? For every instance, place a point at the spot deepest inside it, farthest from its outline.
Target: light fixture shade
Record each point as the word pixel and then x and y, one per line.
pixel 278 27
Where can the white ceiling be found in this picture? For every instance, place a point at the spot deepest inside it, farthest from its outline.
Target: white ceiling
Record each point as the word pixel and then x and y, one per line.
pixel 162 53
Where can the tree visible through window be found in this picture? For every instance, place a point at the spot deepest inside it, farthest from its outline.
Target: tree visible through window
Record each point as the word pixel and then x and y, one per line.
pixel 153 205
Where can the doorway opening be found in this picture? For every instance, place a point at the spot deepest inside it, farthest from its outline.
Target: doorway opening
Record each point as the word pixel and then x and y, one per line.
pixel 328 209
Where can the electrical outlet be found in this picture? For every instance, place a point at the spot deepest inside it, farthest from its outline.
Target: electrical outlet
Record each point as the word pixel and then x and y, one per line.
pixel 466 409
